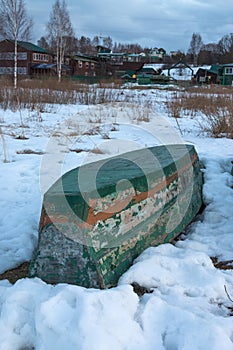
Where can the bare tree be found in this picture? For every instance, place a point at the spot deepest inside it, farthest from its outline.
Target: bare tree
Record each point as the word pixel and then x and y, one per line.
pixel 225 44
pixel 209 54
pixel 195 47
pixel 60 30
pixel 42 42
pixel 84 45
pixel 16 25
pixel 72 45
pixel 95 41
pixel 107 42
pixel 1 28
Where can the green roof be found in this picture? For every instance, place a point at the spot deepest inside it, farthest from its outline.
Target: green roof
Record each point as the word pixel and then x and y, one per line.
pixel 31 47
pixel 228 65
pixel 214 68
pixel 84 58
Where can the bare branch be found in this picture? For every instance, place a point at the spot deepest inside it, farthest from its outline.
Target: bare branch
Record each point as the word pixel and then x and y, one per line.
pixel 15 24
pixel 60 31
pixel 227 293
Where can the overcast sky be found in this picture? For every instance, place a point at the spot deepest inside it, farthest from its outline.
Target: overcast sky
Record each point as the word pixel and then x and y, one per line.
pixel 150 23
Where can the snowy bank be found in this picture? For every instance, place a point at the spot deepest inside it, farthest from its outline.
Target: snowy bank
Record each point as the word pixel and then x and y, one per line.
pixel 187 307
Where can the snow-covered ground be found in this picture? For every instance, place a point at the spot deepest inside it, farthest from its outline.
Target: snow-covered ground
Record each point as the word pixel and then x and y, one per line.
pixel 188 307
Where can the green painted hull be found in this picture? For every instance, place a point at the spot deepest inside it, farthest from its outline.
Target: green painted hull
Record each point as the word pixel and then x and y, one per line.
pixel 91 231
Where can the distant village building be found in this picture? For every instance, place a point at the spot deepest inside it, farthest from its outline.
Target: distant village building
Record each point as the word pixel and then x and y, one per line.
pixel 174 53
pixel 85 66
pixel 156 54
pixel 29 55
pixel 216 74
pixel 226 74
pixel 207 75
pixel 33 60
pixel 116 64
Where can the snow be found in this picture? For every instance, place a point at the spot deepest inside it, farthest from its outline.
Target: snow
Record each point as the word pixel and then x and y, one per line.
pixel 188 307
pixel 177 73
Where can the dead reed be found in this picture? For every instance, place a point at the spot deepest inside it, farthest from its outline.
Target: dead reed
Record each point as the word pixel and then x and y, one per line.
pixel 213 104
pixel 34 94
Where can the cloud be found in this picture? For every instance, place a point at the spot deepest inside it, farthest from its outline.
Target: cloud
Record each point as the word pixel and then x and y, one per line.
pixel 167 23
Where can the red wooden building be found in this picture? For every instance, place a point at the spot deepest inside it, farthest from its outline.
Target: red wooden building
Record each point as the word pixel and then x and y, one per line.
pixel 29 57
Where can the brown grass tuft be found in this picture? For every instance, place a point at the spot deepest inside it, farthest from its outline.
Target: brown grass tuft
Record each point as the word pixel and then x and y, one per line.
pixel 214 104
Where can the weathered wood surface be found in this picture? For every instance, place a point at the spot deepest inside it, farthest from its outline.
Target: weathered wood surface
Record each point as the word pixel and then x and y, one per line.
pixel 91 231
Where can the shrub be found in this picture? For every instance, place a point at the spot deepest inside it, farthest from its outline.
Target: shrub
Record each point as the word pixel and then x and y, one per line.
pixel 215 104
pixel 34 94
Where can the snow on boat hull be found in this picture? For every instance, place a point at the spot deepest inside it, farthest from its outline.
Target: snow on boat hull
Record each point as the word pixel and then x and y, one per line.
pixel 97 218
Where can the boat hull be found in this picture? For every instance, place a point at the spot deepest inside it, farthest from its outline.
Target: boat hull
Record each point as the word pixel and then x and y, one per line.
pixel 91 231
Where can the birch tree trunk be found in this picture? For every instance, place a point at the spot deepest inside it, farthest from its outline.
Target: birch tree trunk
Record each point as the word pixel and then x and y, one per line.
pixel 195 47
pixel 16 25
pixel 15 65
pixel 59 31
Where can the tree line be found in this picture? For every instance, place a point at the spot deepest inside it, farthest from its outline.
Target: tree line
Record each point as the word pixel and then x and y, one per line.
pixel 16 24
pixel 210 53
pixel 87 45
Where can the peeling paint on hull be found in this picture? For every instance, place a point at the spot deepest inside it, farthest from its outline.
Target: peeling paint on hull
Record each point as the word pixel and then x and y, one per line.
pixel 90 233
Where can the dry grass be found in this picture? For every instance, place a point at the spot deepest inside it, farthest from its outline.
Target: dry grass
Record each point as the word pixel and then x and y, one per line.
pixel 93 131
pixel 15 274
pixel 214 104
pixel 140 110
pixel 96 150
pixel 222 265
pixel 95 120
pixel 29 151
pixel 35 94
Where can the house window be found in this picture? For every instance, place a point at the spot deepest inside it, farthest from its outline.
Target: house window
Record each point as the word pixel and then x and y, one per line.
pixel 10 56
pixel 40 57
pixel 92 65
pixel 22 56
pixel 87 64
pixel 80 64
pixel 229 70
pixel 6 70
pixel 7 56
pixel 10 70
pixel 22 70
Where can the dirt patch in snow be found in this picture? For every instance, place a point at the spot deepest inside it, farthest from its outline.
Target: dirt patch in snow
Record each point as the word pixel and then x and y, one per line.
pixel 15 274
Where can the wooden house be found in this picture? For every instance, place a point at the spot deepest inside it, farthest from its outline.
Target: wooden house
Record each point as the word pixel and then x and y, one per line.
pixel 85 66
pixel 226 74
pixel 29 57
pixel 217 74
pixel 156 54
pixel 48 69
pixel 207 76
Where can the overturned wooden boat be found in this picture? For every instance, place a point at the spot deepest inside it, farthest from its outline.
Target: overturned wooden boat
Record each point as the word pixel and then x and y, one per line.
pixel 96 219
